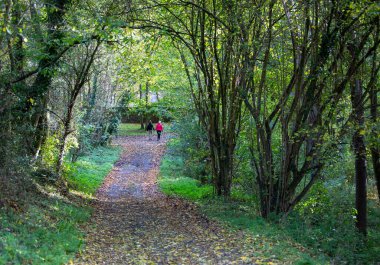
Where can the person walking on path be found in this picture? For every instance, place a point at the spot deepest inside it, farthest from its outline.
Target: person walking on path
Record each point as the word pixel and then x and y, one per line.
pixel 159 129
pixel 149 129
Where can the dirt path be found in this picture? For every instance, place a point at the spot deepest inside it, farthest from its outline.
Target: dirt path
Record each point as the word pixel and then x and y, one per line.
pixel 134 223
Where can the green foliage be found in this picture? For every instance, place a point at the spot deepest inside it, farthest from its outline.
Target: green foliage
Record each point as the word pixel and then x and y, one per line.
pixel 94 132
pixel 272 239
pixel 50 151
pixel 88 172
pixel 98 132
pixel 192 145
pixel 85 132
pixel 244 175
pixel 44 170
pixel 371 250
pixel 317 202
pixel 125 99
pixel 162 110
pixel 321 223
pixel 113 122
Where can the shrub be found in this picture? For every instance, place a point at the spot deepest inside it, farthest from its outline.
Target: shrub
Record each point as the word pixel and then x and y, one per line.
pixel 192 145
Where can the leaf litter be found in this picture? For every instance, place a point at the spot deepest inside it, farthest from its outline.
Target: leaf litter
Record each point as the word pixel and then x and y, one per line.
pixel 134 223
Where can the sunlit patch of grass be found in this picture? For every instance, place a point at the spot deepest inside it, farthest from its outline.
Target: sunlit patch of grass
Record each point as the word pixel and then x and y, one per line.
pixel 87 174
pixel 185 187
pixel 180 185
pixel 130 129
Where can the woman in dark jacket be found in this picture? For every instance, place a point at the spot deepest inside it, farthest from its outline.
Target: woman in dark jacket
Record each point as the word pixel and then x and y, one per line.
pixel 149 129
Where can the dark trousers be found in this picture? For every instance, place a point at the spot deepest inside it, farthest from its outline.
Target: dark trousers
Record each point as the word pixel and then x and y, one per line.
pixel 158 135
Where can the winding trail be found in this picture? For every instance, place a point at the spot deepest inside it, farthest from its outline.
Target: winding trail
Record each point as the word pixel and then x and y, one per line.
pixel 134 223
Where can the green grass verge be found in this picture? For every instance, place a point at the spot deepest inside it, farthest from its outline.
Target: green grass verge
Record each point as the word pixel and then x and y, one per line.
pixel 272 239
pixel 47 231
pixel 87 174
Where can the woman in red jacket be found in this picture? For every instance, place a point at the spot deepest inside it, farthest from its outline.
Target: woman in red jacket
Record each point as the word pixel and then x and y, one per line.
pixel 159 129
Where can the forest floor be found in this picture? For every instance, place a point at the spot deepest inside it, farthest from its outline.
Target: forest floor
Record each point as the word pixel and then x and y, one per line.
pixel 134 223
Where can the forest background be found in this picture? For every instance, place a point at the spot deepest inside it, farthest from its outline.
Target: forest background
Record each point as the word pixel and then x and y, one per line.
pixel 274 105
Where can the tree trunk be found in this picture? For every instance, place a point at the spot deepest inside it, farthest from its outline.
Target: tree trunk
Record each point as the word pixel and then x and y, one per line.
pixel 376 167
pixel 146 100
pixel 146 94
pixel 222 162
pixel 157 96
pixel 360 156
pixel 141 114
pixel 375 152
pixel 61 183
pixel 55 17
pixel 62 144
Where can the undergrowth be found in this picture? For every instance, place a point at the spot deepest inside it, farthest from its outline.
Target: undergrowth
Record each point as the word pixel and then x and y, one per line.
pixel 47 229
pixel 311 234
pixel 46 233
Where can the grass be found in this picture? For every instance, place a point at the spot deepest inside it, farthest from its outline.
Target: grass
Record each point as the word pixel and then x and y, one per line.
pixel 185 187
pixel 180 185
pixel 131 129
pixel 326 237
pixel 87 174
pixel 273 240
pixel 47 231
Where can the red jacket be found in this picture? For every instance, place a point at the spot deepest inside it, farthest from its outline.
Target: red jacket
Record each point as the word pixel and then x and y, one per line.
pixel 159 127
